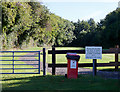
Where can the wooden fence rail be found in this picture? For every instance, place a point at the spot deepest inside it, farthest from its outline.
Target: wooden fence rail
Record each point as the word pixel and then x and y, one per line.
pixel 115 51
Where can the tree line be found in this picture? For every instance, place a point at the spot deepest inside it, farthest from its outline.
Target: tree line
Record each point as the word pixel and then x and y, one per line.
pixel 105 33
pixel 27 24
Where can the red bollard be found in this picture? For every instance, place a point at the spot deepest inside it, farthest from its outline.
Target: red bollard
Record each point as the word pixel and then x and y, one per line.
pixel 72 67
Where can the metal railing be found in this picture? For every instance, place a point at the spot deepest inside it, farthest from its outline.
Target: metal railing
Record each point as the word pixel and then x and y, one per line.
pixel 13 60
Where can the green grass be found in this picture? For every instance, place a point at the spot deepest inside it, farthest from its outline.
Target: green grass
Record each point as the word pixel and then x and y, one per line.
pixel 61 58
pixel 84 82
pixel 15 66
pixel 38 82
pixel 18 62
pixel 105 59
pixel 69 48
pixel 28 49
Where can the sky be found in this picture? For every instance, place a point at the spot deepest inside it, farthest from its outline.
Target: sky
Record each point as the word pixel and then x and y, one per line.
pixel 83 10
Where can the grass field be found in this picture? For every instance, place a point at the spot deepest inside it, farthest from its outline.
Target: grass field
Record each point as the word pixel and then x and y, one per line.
pixel 106 58
pixel 84 82
pixel 49 82
pixel 15 62
pixel 61 58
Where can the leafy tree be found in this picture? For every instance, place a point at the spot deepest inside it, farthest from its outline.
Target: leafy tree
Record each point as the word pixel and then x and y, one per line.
pixel 111 29
pixel 27 21
pixel 92 24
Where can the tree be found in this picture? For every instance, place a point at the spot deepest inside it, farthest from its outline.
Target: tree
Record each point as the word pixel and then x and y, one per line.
pixel 111 29
pixel 92 24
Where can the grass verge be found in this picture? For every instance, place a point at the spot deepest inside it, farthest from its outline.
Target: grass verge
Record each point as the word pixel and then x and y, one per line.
pixel 84 82
pixel 38 82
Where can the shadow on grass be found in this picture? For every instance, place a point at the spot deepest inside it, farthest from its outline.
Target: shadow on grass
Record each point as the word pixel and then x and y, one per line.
pixel 111 70
pixel 22 78
pixel 53 83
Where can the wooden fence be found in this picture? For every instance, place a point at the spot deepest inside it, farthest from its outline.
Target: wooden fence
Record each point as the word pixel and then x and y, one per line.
pixel 115 51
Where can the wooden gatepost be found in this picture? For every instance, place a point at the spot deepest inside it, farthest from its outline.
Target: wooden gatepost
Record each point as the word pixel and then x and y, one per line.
pixel 116 50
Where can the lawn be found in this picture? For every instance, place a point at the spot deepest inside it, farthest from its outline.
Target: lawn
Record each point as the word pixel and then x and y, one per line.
pixel 61 58
pixel 84 82
pixel 49 82
pixel 106 58
pixel 15 62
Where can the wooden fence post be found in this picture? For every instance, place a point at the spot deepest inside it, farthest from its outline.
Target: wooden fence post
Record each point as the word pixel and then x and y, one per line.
pixel 94 67
pixel 44 62
pixel 116 57
pixel 53 60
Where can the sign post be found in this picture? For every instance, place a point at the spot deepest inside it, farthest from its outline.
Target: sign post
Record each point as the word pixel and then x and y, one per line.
pixel 94 67
pixel 93 52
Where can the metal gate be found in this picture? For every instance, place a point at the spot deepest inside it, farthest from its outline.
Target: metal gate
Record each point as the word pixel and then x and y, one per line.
pixel 14 62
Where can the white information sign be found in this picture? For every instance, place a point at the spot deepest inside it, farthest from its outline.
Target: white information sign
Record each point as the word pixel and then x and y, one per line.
pixel 93 52
pixel 73 64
